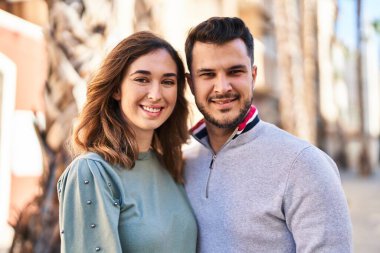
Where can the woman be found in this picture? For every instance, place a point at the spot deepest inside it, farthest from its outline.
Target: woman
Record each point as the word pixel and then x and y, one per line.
pixel 124 192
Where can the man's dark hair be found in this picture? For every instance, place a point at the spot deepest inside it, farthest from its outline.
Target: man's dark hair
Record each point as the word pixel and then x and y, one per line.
pixel 218 30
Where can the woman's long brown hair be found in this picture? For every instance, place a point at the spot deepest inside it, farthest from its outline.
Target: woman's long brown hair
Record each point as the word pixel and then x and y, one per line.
pixel 101 127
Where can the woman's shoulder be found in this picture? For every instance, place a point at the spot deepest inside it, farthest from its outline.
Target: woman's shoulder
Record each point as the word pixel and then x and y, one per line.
pixel 92 170
pixel 84 162
pixel 90 160
pixel 92 156
pixel 90 165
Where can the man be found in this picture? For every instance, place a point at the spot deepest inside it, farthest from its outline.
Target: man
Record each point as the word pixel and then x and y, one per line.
pixel 253 187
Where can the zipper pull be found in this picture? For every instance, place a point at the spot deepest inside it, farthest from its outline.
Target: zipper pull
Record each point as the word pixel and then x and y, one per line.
pixel 209 174
pixel 212 161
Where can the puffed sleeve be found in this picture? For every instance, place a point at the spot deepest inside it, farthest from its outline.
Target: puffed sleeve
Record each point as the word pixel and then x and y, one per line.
pixel 89 195
pixel 315 206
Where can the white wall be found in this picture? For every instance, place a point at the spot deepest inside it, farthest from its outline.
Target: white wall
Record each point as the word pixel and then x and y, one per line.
pixel 7 100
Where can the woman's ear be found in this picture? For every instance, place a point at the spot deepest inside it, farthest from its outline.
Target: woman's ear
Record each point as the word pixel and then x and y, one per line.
pixel 117 95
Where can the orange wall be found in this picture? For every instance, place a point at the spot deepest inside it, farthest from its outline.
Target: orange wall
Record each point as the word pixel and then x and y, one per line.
pixel 28 51
pixel 24 44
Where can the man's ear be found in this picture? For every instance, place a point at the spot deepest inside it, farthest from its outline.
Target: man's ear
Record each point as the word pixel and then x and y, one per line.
pixel 254 72
pixel 190 82
pixel 117 95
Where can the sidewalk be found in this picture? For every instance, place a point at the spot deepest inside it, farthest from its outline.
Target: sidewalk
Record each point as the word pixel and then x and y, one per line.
pixel 363 195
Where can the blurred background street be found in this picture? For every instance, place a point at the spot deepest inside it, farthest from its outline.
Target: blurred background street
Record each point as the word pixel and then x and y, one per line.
pixel 364 202
pixel 318 78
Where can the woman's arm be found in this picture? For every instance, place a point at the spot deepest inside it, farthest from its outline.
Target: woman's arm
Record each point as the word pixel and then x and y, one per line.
pixel 88 210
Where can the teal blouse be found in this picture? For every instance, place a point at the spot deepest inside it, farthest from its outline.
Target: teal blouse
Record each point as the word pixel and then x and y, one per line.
pixel 105 208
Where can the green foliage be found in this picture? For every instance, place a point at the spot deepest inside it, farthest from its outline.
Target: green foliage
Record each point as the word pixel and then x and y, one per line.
pixel 376 25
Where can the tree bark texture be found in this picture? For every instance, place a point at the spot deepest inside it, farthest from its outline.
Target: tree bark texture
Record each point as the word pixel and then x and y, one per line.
pixel 75 38
pixel 364 156
pixel 295 26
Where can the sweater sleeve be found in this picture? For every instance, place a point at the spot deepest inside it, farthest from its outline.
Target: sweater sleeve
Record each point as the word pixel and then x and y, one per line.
pixel 315 206
pixel 89 208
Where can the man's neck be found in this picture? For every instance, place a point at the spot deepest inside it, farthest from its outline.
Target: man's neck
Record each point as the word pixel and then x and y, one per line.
pixel 217 136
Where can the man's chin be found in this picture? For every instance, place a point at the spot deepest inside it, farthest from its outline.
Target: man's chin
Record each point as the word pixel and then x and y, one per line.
pixel 227 119
pixel 223 122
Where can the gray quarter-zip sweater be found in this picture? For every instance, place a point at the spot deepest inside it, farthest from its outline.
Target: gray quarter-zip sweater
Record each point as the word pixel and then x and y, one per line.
pixel 265 191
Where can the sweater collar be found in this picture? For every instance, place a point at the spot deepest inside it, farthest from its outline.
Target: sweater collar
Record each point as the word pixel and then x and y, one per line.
pixel 199 131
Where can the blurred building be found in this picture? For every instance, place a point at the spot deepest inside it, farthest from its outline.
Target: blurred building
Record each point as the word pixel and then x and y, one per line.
pixel 346 99
pixel 23 68
pixel 7 95
pixel 304 75
pixel 371 76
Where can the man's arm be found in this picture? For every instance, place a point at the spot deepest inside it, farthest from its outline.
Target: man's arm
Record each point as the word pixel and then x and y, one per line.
pixel 315 206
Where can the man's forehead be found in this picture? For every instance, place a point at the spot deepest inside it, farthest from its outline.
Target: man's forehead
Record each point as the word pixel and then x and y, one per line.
pixel 234 52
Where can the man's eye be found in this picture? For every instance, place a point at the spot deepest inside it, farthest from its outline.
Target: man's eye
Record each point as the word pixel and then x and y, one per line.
pixel 208 74
pixel 236 71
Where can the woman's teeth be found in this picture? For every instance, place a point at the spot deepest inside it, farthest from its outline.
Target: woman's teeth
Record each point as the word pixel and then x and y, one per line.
pixel 151 109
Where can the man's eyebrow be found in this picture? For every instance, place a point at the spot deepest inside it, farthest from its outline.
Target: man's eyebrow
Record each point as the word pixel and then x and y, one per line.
pixel 203 70
pixel 240 66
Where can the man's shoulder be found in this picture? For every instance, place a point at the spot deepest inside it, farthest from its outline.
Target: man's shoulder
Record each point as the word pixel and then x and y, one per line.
pixel 286 143
pixel 191 147
pixel 195 155
pixel 275 137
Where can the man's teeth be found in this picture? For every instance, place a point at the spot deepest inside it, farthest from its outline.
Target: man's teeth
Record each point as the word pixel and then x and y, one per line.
pixel 224 101
pixel 152 109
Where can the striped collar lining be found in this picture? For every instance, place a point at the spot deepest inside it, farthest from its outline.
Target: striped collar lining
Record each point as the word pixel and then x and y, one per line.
pixel 199 131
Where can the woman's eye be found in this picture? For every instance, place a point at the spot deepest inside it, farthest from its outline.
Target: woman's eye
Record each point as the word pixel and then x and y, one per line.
pixel 141 80
pixel 168 82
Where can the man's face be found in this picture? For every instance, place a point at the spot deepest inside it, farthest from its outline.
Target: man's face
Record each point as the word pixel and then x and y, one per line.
pixel 222 80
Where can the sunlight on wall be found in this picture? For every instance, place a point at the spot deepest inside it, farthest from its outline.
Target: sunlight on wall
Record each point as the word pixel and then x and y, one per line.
pixel 7 103
pixel 26 157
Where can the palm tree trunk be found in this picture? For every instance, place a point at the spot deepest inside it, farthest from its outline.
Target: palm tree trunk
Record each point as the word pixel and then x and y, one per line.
pixel 76 38
pixel 364 157
pixel 296 46
pixel 286 96
pixel 310 52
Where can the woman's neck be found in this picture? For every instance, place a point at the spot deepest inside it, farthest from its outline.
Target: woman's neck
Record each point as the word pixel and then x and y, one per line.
pixel 144 140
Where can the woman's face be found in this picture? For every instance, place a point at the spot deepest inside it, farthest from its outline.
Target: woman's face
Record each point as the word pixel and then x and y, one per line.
pixel 148 92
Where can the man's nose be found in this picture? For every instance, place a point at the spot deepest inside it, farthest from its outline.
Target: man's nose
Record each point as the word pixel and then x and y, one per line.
pixel 222 84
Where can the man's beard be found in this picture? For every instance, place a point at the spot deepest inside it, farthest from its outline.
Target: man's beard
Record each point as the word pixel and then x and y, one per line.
pixel 228 124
